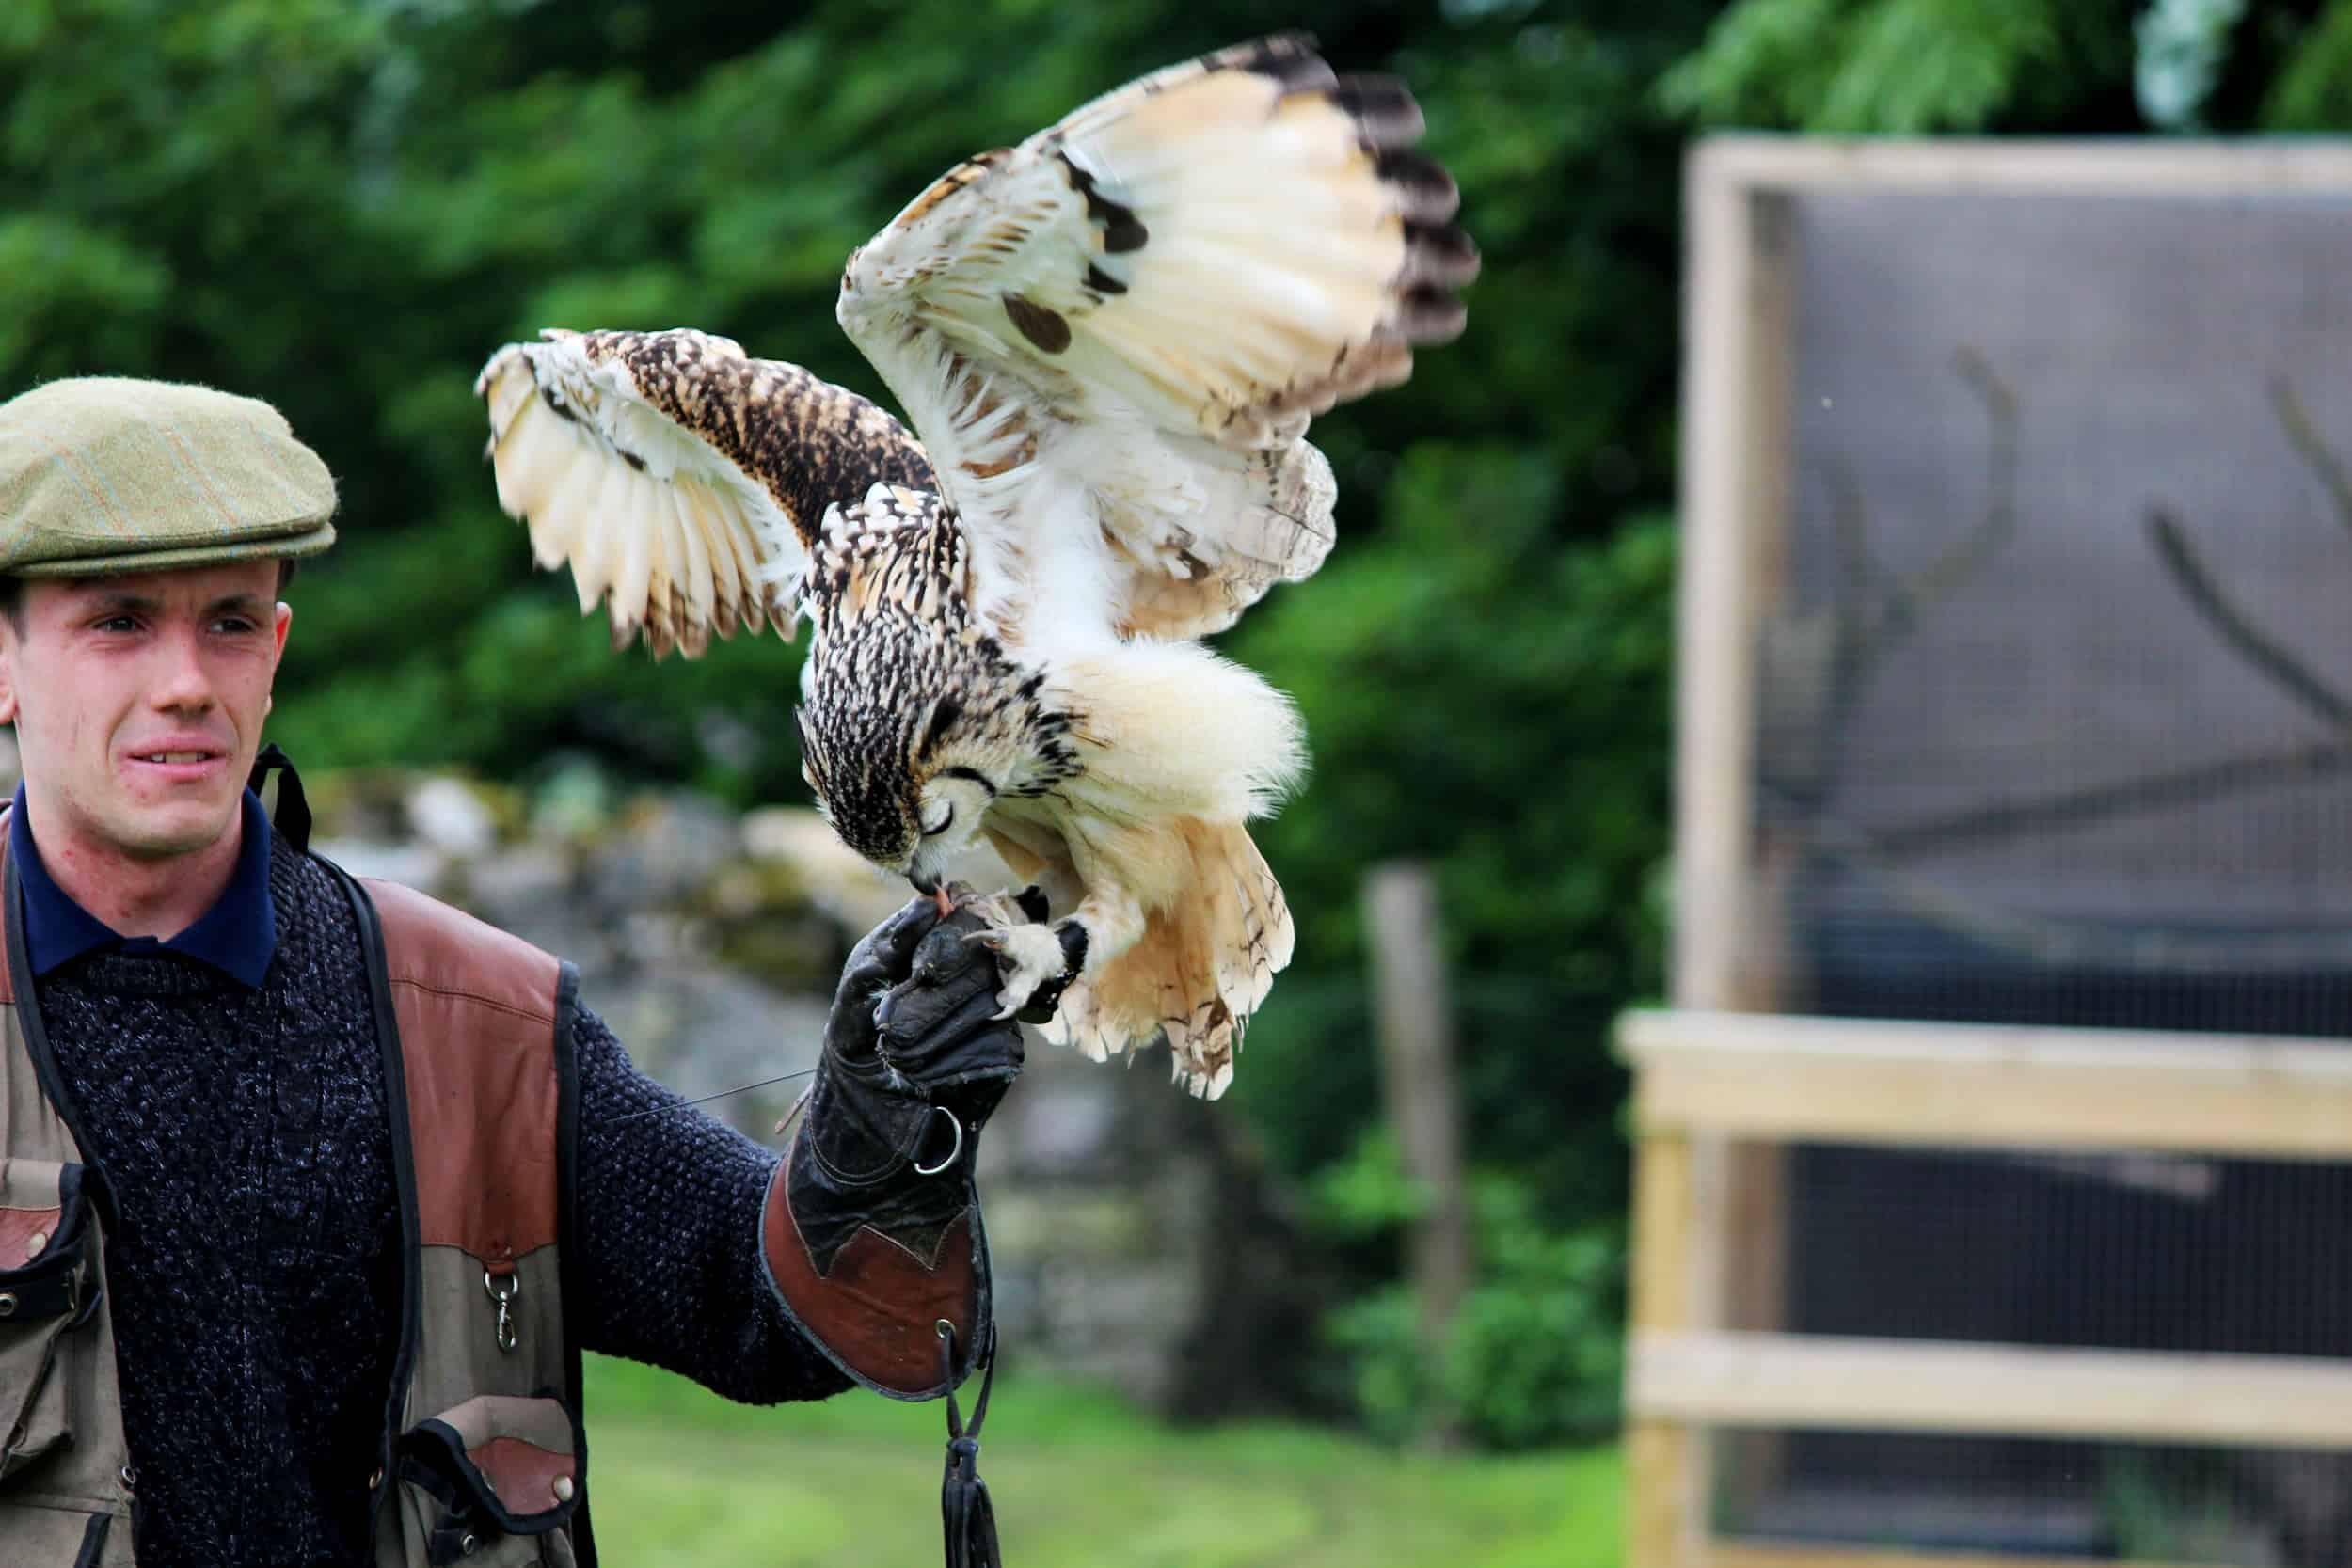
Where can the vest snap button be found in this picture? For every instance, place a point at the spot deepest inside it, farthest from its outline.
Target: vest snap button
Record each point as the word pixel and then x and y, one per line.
pixel 129 1477
pixel 562 1489
pixel 470 1545
pixel 375 1478
pixel 8 1303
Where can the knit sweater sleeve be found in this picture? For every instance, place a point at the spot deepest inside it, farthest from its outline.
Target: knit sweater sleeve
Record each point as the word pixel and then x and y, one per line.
pixel 670 1269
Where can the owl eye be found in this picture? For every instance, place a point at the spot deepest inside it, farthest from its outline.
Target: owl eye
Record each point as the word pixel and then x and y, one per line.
pixel 938 817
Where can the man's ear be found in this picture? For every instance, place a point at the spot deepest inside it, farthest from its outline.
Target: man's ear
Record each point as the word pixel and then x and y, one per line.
pixel 8 675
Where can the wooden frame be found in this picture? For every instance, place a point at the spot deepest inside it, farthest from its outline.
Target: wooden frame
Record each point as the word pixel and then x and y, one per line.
pixel 1712 1079
pixel 1787 1079
pixel 1822 1383
pixel 1721 1087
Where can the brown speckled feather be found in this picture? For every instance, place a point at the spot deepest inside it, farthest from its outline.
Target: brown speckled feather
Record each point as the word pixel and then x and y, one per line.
pixel 682 480
pixel 1111 338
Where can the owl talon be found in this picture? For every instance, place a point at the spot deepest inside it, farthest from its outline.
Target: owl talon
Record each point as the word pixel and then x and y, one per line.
pixel 1073 939
pixel 1036 965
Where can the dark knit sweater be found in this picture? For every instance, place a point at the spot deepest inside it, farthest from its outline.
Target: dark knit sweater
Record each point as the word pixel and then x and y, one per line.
pixel 255 1270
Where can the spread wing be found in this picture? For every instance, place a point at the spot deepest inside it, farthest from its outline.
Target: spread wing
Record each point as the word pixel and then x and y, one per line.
pixel 1111 338
pixel 682 480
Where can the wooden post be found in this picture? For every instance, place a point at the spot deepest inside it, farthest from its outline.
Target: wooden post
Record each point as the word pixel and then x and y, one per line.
pixel 1729 947
pixel 1662 1458
pixel 1415 1022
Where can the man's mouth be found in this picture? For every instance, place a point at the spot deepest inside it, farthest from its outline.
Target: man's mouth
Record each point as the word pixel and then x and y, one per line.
pixel 184 764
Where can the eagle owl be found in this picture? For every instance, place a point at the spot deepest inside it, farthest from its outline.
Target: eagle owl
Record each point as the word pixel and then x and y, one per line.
pixel 1109 340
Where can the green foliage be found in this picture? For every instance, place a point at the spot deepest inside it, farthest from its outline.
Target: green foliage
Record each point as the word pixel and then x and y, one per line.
pixel 2313 91
pixel 1534 1355
pixel 1914 67
pixel 77 283
pixel 1910 66
pixel 2170 1507
pixel 1501 713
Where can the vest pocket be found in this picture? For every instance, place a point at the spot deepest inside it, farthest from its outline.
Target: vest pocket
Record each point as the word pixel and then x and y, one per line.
pixel 493 1482
pixel 48 1291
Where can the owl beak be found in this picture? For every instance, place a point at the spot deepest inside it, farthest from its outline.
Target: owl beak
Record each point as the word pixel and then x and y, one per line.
pixel 924 882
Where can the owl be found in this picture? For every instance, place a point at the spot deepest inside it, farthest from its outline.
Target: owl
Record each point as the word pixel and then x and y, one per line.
pixel 1108 341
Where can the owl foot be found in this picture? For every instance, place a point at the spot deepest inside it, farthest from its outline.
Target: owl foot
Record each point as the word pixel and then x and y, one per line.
pixel 1039 963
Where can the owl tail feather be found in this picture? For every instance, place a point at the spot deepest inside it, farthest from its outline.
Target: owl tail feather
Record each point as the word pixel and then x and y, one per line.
pixel 1203 966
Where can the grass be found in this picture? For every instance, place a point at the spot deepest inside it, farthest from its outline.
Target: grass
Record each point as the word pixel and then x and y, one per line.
pixel 682 1477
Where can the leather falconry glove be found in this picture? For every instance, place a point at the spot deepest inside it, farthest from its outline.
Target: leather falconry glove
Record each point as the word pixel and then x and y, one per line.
pixel 872 1230
pixel 915 1063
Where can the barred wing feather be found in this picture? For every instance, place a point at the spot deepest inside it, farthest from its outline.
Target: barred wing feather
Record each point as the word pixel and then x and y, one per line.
pixel 682 480
pixel 1112 337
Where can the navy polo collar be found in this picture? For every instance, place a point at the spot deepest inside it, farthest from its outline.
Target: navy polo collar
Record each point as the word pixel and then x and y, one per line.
pixel 238 935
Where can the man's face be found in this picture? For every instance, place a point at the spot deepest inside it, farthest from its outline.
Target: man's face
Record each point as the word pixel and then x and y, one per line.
pixel 138 703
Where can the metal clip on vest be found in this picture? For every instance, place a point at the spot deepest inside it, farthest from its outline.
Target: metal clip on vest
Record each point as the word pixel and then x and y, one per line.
pixel 503 1290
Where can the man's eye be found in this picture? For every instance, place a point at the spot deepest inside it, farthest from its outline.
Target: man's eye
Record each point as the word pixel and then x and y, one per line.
pixel 938 818
pixel 115 622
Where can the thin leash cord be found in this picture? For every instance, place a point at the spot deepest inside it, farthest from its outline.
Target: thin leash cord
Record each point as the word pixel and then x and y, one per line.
pixel 705 1099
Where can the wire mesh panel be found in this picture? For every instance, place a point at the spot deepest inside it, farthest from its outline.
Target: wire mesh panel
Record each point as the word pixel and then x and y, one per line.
pixel 2035 1498
pixel 2053 717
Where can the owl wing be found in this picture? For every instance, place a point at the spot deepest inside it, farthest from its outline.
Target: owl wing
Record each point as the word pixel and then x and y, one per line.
pixel 682 480
pixel 1111 338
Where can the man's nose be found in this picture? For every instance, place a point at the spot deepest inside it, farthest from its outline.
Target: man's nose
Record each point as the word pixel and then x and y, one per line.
pixel 182 681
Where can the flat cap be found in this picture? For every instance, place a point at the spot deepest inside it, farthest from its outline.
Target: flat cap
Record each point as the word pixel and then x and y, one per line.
pixel 107 474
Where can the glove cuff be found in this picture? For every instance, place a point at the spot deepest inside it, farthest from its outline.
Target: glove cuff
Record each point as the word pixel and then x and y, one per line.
pixel 873 1300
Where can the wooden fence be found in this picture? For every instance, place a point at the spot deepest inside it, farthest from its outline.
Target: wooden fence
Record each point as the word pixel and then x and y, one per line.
pixel 1720 1096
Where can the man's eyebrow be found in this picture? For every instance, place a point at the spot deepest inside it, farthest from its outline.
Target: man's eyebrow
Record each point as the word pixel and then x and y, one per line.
pixel 119 602
pixel 122 602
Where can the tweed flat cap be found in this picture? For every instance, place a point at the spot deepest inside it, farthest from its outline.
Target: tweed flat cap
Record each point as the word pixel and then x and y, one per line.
pixel 107 474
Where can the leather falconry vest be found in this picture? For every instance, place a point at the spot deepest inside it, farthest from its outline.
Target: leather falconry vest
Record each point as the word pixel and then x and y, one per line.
pixel 482 1459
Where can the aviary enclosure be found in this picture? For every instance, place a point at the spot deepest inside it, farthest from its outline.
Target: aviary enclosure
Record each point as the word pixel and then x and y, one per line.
pixel 1995 1156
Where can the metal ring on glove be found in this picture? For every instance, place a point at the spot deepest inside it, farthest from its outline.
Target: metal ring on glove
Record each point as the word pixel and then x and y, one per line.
pixel 922 1169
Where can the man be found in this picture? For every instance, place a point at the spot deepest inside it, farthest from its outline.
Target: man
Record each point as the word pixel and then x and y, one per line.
pixel 262 1127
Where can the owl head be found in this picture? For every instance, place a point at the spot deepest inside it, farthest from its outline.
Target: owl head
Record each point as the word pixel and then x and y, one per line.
pixel 911 734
